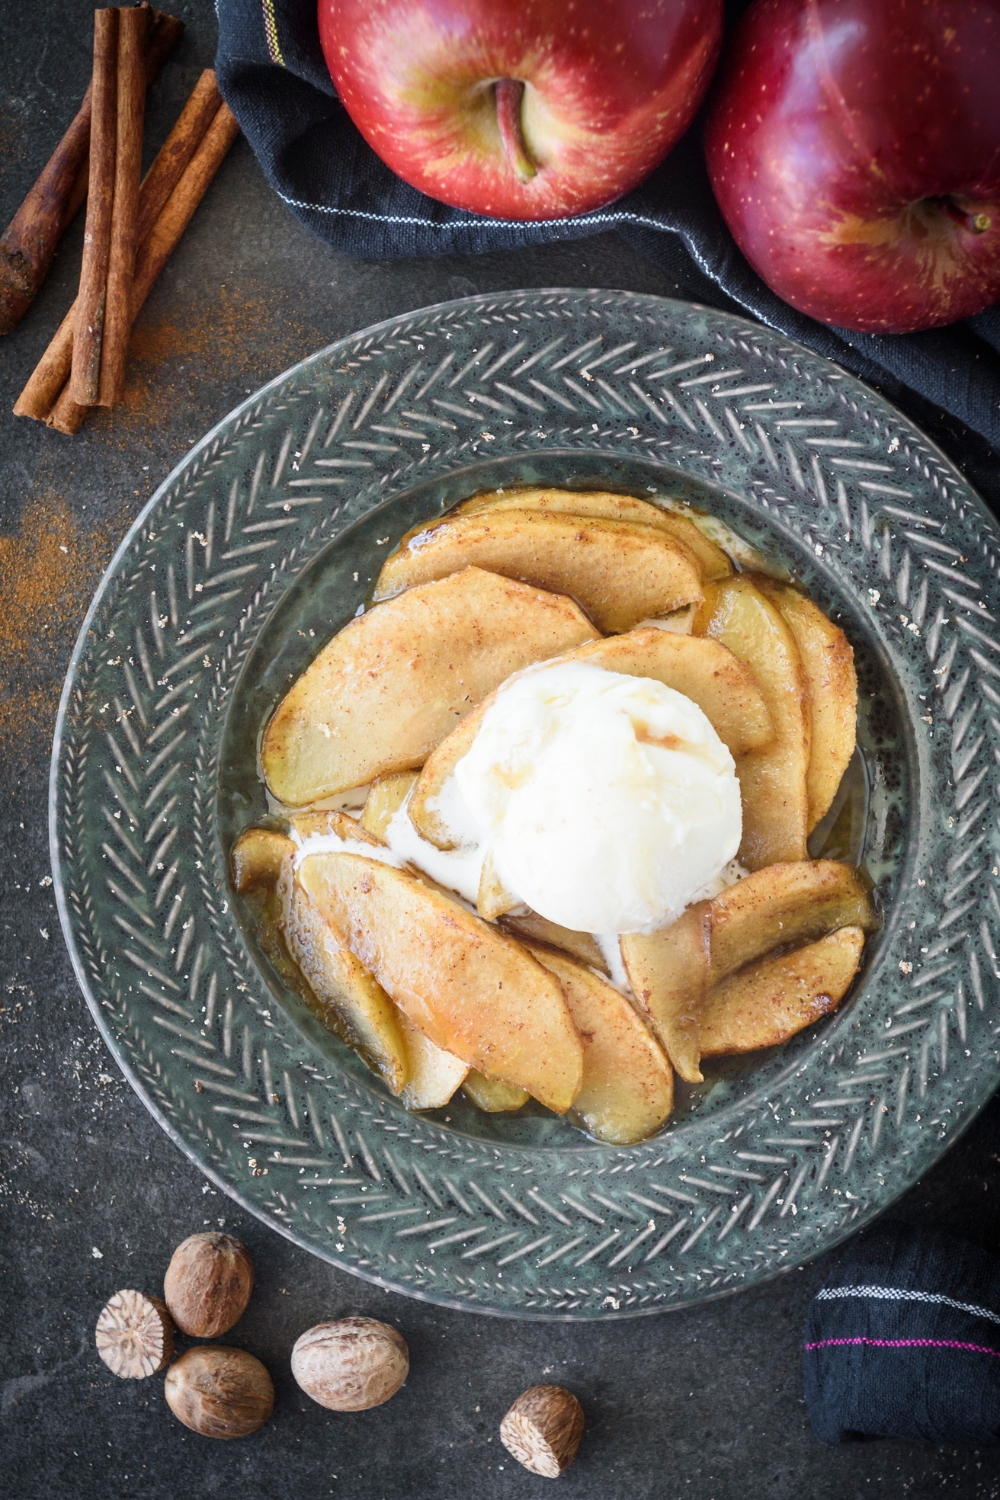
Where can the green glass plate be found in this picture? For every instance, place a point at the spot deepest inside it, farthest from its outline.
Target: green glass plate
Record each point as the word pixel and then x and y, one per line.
pixel 264 542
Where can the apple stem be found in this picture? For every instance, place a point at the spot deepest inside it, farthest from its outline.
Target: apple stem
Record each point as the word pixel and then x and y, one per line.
pixel 975 223
pixel 509 94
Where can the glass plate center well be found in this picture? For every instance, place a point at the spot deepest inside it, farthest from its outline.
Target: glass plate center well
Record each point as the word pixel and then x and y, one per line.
pixel 329 593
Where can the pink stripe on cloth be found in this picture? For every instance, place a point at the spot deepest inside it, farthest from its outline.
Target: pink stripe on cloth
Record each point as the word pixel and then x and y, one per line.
pixel 907 1344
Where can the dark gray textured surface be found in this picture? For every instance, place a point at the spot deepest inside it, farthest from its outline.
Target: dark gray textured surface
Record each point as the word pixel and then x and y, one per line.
pixel 705 1404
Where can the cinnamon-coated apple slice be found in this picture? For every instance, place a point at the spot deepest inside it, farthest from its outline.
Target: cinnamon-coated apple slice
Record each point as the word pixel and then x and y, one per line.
pixel 702 669
pixel 771 1001
pixel 425 811
pixel 493 898
pixel 784 905
pixel 356 1008
pixel 711 559
pixel 351 1004
pixel 671 970
pixel 386 796
pixel 668 972
pixel 628 1088
pixel 773 778
pixel 433 1075
pixel 828 662
pixel 579 945
pixel 257 858
pixel 468 987
pixel 492 1095
pixel 394 681
pixel 618 571
pixel 330 822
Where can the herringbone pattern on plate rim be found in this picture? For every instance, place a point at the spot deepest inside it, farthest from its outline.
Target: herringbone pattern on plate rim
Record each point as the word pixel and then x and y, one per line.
pixel 583 1231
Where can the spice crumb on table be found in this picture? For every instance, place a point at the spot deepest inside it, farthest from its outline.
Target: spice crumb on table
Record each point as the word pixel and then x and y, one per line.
pixel 49 568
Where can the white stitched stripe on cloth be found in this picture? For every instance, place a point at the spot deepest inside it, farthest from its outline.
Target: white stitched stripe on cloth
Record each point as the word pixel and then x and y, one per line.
pixel 900 1294
pixel 619 216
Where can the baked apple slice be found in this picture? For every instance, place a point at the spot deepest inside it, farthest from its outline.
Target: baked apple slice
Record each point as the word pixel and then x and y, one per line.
pixel 433 1075
pixel 668 971
pixel 702 669
pixel 828 662
pixel 672 970
pixel 351 1004
pixel 773 778
pixel 492 1095
pixel 385 797
pixel 356 1008
pixel 493 898
pixel 618 571
pixel 425 812
pixel 771 1001
pixel 781 906
pixel 711 559
pixel 579 945
pixel 393 682
pixel 257 858
pixel 628 1089
pixel 468 987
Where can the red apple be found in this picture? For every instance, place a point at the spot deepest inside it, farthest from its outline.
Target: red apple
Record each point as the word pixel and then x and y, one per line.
pixel 854 149
pixel 522 109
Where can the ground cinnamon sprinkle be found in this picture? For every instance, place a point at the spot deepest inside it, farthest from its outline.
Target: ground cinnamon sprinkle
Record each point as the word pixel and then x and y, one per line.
pixel 169 361
pixel 183 373
pixel 49 569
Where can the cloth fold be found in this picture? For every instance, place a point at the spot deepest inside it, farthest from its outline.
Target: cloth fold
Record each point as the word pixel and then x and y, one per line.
pixel 904 1341
pixel 272 75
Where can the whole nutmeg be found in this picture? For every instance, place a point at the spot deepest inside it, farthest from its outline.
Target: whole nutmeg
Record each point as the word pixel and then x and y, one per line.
pixel 208 1284
pixel 543 1429
pixel 351 1364
pixel 221 1393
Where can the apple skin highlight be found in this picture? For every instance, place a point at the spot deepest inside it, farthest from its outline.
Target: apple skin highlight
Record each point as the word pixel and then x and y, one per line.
pixel 606 93
pixel 854 150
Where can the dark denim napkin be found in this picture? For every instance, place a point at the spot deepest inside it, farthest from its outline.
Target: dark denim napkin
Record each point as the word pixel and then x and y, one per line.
pixel 273 77
pixel 904 1341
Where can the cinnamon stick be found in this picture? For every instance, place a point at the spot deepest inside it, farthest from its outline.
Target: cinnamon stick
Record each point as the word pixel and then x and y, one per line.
pixel 45 385
pixel 30 239
pixel 91 302
pixel 76 199
pixel 179 209
pixel 50 374
pixel 125 210
pixel 66 416
pixel 61 410
pixel 177 150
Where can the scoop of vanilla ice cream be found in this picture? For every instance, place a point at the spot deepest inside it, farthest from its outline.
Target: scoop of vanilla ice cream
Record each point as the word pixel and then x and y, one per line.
pixel 608 802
